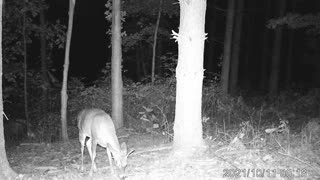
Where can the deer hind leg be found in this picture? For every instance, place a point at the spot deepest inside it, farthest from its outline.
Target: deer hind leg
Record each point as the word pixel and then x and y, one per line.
pixel 82 140
pixel 91 146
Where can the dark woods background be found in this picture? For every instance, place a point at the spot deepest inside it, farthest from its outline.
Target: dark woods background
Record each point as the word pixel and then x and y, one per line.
pixel 90 47
pixel 298 51
pixel 89 75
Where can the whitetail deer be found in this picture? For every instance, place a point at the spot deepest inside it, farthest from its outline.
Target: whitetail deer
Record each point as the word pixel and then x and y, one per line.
pixel 98 126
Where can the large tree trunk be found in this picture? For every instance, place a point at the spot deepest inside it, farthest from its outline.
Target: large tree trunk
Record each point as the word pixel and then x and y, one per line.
pixel 189 74
pixel 276 55
pixel 227 47
pixel 154 46
pixel 117 109
pixel 5 170
pixel 64 95
pixel 236 48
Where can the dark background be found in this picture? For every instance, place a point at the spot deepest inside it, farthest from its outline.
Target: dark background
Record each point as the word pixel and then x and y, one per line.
pixel 90 52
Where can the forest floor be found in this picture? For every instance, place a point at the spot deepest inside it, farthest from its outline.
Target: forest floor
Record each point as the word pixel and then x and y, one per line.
pixel 153 160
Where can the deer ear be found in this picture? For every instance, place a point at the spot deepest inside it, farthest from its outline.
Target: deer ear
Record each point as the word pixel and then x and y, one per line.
pixel 124 148
pixel 123 145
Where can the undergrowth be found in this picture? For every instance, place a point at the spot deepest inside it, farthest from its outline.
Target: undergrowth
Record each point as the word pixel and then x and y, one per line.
pixel 150 109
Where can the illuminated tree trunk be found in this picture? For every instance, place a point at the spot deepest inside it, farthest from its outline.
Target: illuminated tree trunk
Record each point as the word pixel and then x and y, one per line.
pixel 64 95
pixel 5 170
pixel 189 74
pixel 117 104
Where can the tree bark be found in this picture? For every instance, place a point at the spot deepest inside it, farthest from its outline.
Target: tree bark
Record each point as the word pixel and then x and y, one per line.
pixel 276 55
pixel 5 170
pixel 154 47
pixel 227 47
pixel 189 74
pixel 64 94
pixel 236 48
pixel 117 104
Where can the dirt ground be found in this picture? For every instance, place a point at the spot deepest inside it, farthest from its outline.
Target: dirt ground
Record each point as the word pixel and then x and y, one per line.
pixel 153 160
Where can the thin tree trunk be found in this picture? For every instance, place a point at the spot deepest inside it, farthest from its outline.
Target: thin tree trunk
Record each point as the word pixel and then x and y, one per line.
pixel 276 55
pixel 144 66
pixel 25 70
pixel 117 104
pixel 265 51
pixel 137 61
pixel 290 51
pixel 290 58
pixel 154 47
pixel 236 48
pixel 64 95
pixel 5 170
pixel 248 53
pixel 227 47
pixel 144 57
pixel 189 74
pixel 210 67
pixel 44 67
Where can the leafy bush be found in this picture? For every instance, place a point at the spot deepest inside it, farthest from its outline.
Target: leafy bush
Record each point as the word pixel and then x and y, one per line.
pixel 81 97
pixel 159 99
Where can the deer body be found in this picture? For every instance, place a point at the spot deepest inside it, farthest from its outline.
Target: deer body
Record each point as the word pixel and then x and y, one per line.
pixel 98 126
